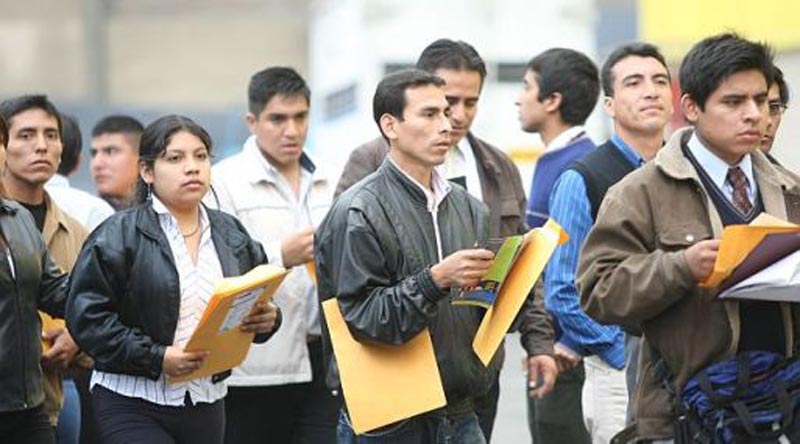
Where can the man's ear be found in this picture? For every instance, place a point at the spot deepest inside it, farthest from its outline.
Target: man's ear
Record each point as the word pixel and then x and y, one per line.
pixel 552 103
pixel 389 125
pixel 608 106
pixel 250 119
pixel 690 108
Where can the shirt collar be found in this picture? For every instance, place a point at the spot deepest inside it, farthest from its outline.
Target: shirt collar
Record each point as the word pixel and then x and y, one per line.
pixel 264 170
pixel 58 181
pixel 441 186
pixel 716 168
pixel 563 139
pixel 630 154
pixel 163 212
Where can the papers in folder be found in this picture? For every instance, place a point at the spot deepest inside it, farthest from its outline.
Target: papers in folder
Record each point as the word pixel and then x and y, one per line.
pixel 539 245
pixel 383 384
pixel 758 261
pixel 218 331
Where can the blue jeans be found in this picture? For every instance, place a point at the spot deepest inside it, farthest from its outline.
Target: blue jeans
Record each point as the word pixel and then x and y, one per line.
pixel 68 430
pixel 428 428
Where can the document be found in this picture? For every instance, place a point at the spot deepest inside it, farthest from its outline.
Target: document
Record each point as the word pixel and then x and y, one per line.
pixel 383 384
pixel 506 251
pixel 538 247
pixel 218 330
pixel 739 241
pixel 778 282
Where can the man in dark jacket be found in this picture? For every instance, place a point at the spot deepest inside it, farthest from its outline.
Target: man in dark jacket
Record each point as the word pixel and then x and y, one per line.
pixel 393 247
pixel 489 175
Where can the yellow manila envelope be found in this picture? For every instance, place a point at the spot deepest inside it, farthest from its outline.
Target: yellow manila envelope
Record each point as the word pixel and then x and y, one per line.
pixel 540 243
pixel 49 323
pixel 383 384
pixel 738 241
pixel 218 330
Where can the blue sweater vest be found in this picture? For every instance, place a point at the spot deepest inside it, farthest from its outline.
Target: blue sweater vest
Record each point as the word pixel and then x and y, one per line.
pixel 548 168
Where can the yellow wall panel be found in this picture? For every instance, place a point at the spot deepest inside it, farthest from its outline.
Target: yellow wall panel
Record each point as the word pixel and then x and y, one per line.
pixel 677 24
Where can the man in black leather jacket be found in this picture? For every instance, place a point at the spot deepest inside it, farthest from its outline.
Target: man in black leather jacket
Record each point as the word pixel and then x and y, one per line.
pixel 394 246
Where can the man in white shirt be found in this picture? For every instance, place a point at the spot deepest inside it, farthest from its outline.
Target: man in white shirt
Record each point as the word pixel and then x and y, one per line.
pixel 280 196
pixel 89 210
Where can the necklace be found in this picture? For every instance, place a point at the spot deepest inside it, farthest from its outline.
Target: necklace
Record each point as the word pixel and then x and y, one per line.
pixel 193 232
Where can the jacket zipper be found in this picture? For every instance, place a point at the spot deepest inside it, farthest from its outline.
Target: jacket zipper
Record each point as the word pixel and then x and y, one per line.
pixel 21 343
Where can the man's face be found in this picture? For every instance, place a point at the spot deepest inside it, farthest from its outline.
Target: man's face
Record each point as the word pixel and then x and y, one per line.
pixel 115 164
pixel 34 147
pixel 532 112
pixel 732 123
pixel 281 129
pixel 642 100
pixel 462 89
pixel 422 138
pixel 773 118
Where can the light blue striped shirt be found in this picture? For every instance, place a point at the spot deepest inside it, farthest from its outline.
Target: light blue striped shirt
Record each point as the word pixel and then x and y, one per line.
pixel 197 283
pixel 570 207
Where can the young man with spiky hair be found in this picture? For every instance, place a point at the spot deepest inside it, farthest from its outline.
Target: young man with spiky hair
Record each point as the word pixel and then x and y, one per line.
pixel 657 231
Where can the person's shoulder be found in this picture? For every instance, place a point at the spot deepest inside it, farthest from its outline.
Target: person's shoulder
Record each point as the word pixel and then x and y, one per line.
pixel 376 147
pixel 491 151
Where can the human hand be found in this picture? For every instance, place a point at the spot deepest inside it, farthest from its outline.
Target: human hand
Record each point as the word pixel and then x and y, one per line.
pixel 298 248
pixel 178 362
pixel 701 257
pixel 542 367
pixel 261 319
pixel 462 269
pixel 62 351
pixel 565 358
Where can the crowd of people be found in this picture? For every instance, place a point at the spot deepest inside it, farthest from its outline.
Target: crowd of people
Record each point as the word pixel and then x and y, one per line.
pixel 100 294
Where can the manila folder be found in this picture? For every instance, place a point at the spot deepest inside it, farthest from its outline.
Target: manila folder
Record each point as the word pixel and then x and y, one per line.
pixel 218 330
pixel 383 384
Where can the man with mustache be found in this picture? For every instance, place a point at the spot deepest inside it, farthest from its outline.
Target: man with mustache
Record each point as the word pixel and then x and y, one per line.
pixel 397 245
pixel 638 98
pixel 489 175
pixel 33 154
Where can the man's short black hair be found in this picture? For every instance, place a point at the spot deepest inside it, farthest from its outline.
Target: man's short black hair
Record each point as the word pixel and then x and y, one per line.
pixel 3 131
pixel 637 49
pixel 571 74
pixel 11 107
pixel 275 81
pixel 783 87
pixel 451 54
pixel 390 95
pixel 712 60
pixel 71 142
pixel 118 123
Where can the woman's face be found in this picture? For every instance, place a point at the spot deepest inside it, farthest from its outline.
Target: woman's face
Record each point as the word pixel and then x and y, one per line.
pixel 180 177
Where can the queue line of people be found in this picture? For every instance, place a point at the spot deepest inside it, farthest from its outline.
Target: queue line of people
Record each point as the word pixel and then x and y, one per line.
pixel 393 246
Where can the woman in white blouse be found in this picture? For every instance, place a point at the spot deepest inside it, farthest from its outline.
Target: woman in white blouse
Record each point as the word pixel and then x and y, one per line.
pixel 139 288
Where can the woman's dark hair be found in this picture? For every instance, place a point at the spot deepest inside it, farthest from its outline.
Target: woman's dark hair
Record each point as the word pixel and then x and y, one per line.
pixel 155 139
pixel 3 131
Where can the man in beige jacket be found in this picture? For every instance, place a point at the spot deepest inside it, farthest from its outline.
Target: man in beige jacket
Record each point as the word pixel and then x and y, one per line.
pixel 657 230
pixel 33 153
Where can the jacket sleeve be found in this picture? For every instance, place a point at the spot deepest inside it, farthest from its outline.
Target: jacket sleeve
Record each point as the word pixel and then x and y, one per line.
pixel 536 325
pixel 622 277
pixel 375 307
pixel 93 319
pixel 362 162
pixel 53 287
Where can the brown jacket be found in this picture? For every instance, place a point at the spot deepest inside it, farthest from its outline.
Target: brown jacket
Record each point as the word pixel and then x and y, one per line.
pixel 64 237
pixel 633 271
